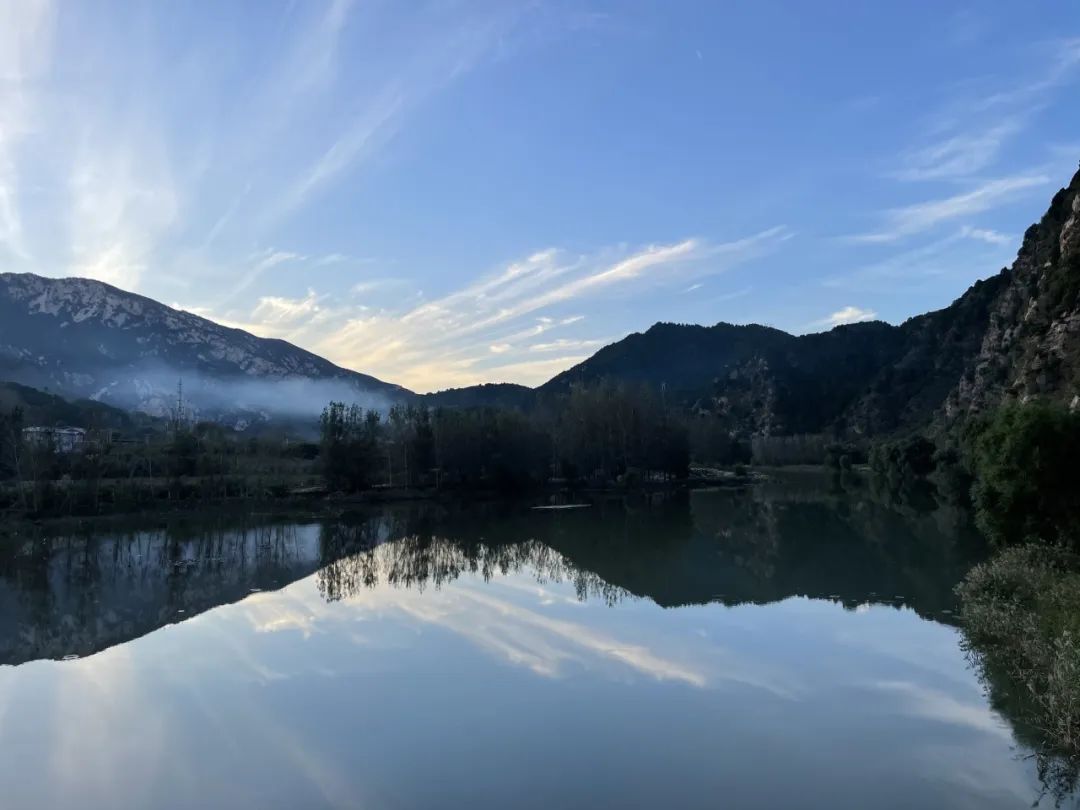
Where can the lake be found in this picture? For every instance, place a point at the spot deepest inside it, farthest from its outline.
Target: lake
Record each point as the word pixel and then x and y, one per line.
pixel 790 646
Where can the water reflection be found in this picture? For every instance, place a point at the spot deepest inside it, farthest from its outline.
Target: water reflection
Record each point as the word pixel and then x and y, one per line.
pixel 536 642
pixel 76 594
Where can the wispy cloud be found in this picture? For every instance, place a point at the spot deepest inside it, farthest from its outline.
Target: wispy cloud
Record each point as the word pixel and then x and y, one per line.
pixel 447 341
pixel 1006 105
pixel 957 156
pixel 568 345
pixel 967 253
pixel 286 311
pixel 123 199
pixel 443 51
pixel 920 217
pixel 256 266
pixel 488 329
pixel 371 130
pixel 134 166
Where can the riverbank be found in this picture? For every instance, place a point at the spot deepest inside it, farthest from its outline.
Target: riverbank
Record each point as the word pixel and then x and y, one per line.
pixel 80 501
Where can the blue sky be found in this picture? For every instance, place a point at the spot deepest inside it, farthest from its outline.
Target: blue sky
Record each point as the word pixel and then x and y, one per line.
pixel 448 193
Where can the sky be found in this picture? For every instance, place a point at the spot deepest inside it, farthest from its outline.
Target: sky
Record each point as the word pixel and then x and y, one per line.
pixel 448 193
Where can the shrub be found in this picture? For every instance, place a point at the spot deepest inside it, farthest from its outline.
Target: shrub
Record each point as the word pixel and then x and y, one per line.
pixel 1021 613
pixel 1023 461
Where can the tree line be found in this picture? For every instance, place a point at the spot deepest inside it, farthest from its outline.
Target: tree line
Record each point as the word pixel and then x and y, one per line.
pixel 607 434
pixel 1014 466
pixel 610 433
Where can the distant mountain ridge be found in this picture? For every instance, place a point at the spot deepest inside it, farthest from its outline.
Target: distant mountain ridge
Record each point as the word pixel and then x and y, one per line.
pixel 1010 337
pixel 1013 336
pixel 49 410
pixel 86 339
pixel 759 379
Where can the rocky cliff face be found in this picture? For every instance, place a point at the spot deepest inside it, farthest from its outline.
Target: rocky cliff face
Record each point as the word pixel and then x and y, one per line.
pixel 82 338
pixel 1011 337
pixel 1031 346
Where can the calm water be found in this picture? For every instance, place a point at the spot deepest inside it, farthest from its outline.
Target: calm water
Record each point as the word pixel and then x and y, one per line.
pixel 790 647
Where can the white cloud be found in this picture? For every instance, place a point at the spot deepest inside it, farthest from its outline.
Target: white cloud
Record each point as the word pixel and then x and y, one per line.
pixel 138 176
pixel 920 217
pixel 987 235
pixel 122 201
pixel 964 254
pixel 277 310
pixel 945 708
pixel 846 315
pixel 960 155
pixel 565 344
pixel 450 340
pixel 486 331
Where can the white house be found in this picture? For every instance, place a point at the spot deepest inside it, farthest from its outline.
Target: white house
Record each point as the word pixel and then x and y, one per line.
pixel 64 439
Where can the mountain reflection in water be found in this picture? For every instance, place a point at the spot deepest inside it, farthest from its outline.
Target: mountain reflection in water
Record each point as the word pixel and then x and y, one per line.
pixel 792 644
pixel 77 594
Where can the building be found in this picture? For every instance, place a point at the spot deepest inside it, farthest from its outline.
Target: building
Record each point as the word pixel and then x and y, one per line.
pixel 63 439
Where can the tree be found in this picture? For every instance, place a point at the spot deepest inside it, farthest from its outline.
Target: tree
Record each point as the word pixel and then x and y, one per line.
pixel 349 446
pixel 410 445
pixel 11 426
pixel 1023 460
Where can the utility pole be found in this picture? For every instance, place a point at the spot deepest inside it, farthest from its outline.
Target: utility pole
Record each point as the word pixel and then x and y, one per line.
pixel 178 420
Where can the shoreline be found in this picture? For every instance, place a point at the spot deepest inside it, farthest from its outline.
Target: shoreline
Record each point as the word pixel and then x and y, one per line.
pixel 320 504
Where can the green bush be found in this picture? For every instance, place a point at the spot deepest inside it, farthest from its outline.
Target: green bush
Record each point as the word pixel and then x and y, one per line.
pixel 1023 460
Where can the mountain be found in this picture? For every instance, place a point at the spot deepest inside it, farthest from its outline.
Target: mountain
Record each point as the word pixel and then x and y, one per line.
pixel 761 380
pixel 85 339
pixel 1031 344
pixel 1013 336
pixel 488 395
pixel 41 408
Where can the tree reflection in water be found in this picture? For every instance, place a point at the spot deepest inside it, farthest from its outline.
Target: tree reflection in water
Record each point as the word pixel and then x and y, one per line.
pixel 78 593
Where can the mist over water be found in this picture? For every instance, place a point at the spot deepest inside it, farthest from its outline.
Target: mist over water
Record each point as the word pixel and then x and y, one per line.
pixel 159 390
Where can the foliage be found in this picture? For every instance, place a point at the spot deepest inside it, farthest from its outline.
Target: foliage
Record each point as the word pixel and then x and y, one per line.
pixel 904 460
pixel 603 431
pixel 349 446
pixel 778 451
pixel 411 450
pixel 487 447
pixel 751 377
pixel 11 426
pixel 1022 615
pixel 1023 461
